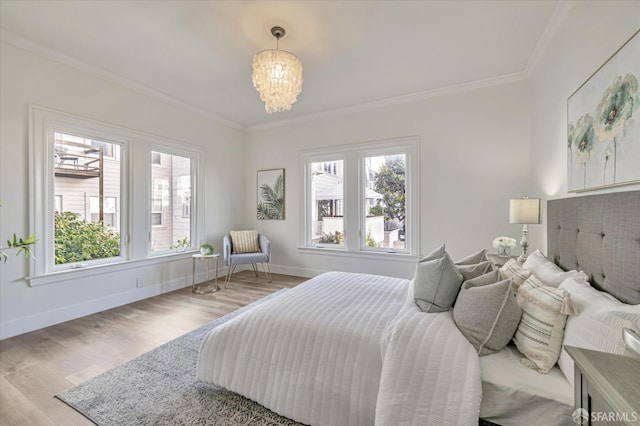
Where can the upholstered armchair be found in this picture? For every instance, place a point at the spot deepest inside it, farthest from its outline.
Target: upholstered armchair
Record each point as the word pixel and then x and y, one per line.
pixel 263 256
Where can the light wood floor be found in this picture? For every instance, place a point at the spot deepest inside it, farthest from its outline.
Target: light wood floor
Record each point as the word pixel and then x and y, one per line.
pixel 36 366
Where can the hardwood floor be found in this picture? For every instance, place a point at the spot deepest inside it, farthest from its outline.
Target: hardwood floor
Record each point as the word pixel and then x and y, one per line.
pixel 37 365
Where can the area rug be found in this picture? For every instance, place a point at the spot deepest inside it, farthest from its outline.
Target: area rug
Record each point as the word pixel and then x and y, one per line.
pixel 160 388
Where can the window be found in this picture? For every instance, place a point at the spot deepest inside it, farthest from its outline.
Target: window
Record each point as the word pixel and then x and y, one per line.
pixel 326 213
pixel 385 201
pixel 79 181
pixel 363 197
pixel 80 207
pixel 170 201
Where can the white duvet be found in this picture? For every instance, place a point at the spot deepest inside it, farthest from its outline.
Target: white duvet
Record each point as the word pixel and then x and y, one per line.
pixel 347 349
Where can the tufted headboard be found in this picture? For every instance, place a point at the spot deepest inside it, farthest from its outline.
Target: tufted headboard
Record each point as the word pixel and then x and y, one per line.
pixel 600 235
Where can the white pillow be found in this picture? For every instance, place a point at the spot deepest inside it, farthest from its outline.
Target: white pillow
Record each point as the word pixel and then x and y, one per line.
pixel 548 272
pixel 541 329
pixel 517 273
pixel 598 324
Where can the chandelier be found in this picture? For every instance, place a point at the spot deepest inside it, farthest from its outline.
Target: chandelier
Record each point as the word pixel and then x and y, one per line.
pixel 277 76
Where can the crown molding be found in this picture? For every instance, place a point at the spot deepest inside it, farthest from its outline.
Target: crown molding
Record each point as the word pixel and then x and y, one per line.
pixel 25 44
pixel 557 17
pixel 412 97
pixel 559 13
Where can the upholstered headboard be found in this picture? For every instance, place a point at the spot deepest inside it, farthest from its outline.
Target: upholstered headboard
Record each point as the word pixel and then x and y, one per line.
pixel 600 235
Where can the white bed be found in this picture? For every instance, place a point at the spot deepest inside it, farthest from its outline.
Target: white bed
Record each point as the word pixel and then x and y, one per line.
pixel 353 349
pixel 347 349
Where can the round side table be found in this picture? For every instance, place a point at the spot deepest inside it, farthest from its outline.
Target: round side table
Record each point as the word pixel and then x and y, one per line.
pixel 205 288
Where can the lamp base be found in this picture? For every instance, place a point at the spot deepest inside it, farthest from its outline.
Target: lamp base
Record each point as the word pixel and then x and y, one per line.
pixel 524 243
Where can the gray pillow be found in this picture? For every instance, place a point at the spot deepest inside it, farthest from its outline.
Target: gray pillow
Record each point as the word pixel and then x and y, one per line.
pixel 486 313
pixel 470 272
pixel 436 284
pixel 435 254
pixel 474 258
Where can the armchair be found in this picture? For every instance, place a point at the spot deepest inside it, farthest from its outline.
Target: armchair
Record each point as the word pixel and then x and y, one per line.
pixel 231 260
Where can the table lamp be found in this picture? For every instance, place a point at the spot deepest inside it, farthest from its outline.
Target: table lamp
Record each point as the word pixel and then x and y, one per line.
pixel 526 211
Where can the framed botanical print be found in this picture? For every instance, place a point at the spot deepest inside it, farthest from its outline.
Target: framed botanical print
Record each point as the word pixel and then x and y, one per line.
pixel 603 124
pixel 270 194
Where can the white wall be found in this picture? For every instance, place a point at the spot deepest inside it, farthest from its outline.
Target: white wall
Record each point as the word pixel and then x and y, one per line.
pixel 474 157
pixel 27 78
pixel 589 34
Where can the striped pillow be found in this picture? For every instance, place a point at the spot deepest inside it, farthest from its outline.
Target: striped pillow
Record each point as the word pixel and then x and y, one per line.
pixel 517 273
pixel 541 329
pixel 244 242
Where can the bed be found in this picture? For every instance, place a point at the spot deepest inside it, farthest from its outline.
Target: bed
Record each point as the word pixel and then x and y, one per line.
pixel 353 349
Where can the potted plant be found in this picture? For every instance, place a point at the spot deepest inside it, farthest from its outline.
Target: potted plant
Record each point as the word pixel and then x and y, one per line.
pixel 206 249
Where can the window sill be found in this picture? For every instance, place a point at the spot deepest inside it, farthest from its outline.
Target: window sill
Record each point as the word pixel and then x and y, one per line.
pixel 373 255
pixel 90 271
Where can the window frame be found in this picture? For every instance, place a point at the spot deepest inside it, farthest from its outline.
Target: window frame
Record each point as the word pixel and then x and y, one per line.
pixel 45 123
pixel 354 201
pixel 134 228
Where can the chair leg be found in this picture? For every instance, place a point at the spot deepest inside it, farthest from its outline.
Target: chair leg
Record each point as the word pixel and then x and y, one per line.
pixel 230 271
pixel 255 269
pixel 267 270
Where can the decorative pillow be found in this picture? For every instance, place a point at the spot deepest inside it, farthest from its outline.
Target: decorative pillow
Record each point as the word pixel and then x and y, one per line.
pixel 597 325
pixel 244 242
pixel 470 272
pixel 474 258
pixel 436 284
pixel 541 329
pixel 548 272
pixel 435 254
pixel 486 312
pixel 517 273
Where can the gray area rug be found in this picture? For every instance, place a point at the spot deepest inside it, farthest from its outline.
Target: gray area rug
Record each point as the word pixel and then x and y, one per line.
pixel 160 388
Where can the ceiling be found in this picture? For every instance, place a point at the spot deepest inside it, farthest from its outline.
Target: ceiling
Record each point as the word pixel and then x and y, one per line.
pixel 355 54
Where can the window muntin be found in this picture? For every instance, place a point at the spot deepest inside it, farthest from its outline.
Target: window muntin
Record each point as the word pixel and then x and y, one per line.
pixel 171 225
pixel 326 213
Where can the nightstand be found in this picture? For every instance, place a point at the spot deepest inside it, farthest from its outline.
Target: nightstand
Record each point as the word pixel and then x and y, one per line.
pixel 607 387
pixel 499 261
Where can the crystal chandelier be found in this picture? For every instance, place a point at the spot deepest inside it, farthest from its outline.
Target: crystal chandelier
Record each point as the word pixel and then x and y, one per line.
pixel 277 76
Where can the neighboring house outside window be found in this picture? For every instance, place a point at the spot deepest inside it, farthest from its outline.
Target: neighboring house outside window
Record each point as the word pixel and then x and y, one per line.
pixel 170 201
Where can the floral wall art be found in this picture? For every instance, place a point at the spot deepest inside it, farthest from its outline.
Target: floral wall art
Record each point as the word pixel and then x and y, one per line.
pixel 271 194
pixel 603 131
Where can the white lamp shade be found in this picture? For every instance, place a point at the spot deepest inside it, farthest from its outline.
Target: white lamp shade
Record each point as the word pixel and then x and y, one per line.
pixel 524 210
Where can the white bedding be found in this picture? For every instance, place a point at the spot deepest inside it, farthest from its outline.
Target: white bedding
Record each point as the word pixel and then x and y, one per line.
pixel 315 355
pixel 513 394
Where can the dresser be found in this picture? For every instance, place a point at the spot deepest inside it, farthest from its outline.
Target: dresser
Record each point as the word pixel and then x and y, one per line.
pixel 607 388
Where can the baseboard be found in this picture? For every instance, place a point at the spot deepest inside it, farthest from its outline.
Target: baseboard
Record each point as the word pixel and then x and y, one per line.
pixel 40 320
pixel 296 271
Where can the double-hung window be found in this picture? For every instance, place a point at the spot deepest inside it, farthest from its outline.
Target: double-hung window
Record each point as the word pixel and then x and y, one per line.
pixel 363 197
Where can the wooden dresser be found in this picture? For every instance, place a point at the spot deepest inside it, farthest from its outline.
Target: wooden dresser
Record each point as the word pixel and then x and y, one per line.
pixel 607 386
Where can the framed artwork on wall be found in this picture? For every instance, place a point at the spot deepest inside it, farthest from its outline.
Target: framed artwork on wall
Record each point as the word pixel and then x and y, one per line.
pixel 270 194
pixel 603 124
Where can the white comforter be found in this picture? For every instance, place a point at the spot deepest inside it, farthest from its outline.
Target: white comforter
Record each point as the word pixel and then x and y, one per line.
pixel 347 349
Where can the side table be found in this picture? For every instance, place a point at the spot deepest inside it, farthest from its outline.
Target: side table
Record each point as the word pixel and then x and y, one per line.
pixel 205 288
pixel 499 261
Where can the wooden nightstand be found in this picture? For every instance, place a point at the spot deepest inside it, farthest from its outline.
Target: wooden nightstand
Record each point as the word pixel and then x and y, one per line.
pixel 607 386
pixel 499 261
